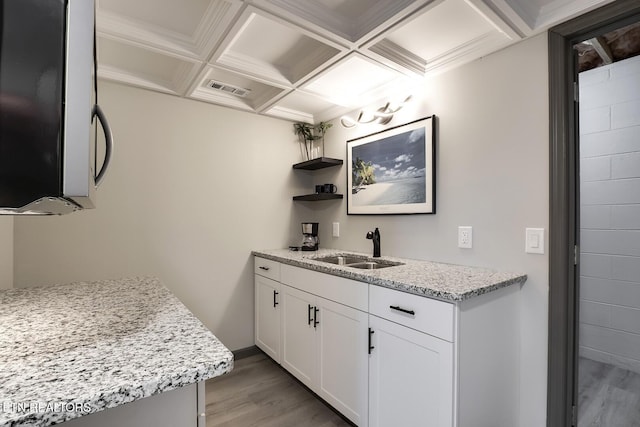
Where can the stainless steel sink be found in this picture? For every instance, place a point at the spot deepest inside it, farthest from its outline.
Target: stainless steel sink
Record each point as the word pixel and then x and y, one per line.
pixel 342 259
pixel 356 261
pixel 369 265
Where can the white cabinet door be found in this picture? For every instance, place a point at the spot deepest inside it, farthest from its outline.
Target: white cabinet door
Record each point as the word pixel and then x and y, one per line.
pixel 267 316
pixel 410 377
pixel 299 343
pixel 343 347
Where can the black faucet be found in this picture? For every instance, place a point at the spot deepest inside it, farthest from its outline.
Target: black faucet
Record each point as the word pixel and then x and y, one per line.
pixel 375 236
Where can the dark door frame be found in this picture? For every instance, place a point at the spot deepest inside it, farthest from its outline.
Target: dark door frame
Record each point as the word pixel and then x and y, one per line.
pixel 563 196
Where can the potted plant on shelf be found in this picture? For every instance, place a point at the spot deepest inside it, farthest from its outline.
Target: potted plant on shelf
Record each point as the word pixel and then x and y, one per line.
pixel 321 129
pixel 307 134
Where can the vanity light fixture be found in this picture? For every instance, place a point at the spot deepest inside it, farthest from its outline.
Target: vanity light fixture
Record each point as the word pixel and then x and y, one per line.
pixel 382 115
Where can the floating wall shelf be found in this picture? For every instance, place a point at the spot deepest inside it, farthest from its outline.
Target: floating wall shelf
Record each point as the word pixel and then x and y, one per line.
pixel 317 197
pixel 315 164
pixel 319 163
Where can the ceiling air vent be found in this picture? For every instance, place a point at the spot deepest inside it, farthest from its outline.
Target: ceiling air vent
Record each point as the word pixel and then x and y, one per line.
pixel 227 88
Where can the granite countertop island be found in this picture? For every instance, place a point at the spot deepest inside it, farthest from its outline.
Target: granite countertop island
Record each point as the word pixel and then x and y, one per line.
pixel 448 282
pixel 72 350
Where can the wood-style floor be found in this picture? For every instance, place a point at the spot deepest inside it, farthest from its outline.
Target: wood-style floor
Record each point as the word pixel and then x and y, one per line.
pixel 258 392
pixel 608 396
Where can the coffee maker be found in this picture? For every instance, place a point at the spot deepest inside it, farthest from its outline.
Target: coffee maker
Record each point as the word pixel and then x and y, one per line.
pixel 309 236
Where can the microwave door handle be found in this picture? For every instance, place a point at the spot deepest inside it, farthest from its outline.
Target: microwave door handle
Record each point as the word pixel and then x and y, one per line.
pixel 97 112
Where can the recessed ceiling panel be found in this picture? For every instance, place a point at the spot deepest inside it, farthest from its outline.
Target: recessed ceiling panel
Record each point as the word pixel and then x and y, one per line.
pixel 233 89
pixel 442 35
pixel 300 101
pixel 180 16
pixel 444 28
pixel 136 64
pixel 348 81
pixel 267 46
pixel 350 20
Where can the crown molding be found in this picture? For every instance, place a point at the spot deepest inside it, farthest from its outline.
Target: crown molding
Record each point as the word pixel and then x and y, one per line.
pixel 214 25
pixel 138 79
pixel 557 11
pixel 504 10
pixel 131 31
pixel 184 76
pixel 289 114
pixel 494 19
pixel 313 15
pixel 467 52
pixel 399 58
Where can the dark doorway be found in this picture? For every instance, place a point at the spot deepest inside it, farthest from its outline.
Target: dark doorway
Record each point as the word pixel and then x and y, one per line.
pixel 564 265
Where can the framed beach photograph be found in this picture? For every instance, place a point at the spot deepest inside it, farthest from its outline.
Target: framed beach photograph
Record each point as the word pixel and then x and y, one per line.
pixel 393 171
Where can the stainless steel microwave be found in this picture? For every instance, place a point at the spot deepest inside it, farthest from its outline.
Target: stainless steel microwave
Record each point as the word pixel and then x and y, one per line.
pixel 48 109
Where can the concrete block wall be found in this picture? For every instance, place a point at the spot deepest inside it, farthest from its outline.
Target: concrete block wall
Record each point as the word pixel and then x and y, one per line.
pixel 610 214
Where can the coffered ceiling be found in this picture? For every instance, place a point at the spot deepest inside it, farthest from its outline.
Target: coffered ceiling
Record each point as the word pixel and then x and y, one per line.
pixel 306 60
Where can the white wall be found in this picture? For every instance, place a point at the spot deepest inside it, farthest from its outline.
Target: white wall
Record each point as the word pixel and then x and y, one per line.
pixel 193 189
pixel 610 214
pixel 6 252
pixel 492 174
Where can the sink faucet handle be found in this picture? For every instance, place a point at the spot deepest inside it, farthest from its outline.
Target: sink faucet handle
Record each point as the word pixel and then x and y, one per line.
pixel 375 237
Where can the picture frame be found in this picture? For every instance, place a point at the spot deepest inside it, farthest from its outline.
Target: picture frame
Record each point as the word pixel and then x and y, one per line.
pixel 393 171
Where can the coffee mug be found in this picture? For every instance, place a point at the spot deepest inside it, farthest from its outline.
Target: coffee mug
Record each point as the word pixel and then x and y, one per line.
pixel 329 188
pixel 319 189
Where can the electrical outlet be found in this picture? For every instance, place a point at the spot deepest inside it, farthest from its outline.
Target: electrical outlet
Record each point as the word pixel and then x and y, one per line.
pixel 465 237
pixel 336 229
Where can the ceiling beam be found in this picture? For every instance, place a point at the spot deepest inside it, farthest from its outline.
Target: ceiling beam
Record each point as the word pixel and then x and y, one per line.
pixel 602 48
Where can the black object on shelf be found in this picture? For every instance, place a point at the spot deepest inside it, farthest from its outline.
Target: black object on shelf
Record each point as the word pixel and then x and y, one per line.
pixel 317 196
pixel 319 163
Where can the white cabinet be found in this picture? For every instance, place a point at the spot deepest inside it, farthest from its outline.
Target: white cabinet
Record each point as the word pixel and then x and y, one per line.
pixel 325 347
pixel 433 363
pixel 411 367
pixel 410 377
pixel 267 316
pixel 267 268
pixel 342 364
pixel 267 307
pixel 299 343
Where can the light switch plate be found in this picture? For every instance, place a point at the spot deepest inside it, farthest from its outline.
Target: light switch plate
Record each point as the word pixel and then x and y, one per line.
pixel 336 229
pixel 534 239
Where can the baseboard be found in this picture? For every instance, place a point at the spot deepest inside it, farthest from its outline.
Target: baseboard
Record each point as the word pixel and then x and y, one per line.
pixel 246 352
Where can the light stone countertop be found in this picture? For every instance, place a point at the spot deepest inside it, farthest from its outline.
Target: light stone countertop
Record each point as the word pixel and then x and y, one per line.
pixel 448 282
pixel 97 345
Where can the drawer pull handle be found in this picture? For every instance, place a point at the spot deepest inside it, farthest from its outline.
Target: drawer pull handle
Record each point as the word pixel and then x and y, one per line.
pixel 310 319
pixel 315 317
pixel 275 301
pixel 264 268
pixel 371 332
pixel 404 310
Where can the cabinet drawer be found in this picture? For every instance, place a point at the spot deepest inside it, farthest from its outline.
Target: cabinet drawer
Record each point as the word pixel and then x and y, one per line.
pixel 267 268
pixel 423 314
pixel 344 291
